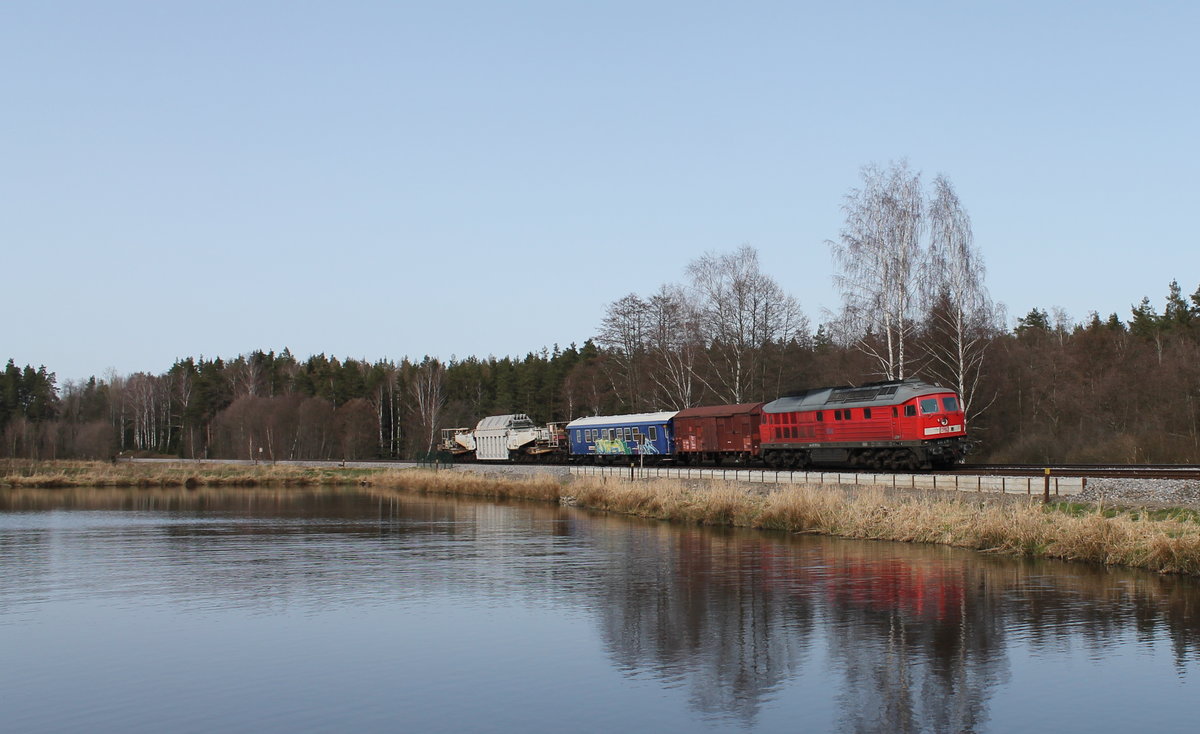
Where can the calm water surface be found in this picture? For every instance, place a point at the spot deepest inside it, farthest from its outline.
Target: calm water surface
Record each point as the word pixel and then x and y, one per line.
pixel 265 611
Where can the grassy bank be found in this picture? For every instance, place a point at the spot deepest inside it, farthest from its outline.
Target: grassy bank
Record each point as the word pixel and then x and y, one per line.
pixel 67 474
pixel 1163 543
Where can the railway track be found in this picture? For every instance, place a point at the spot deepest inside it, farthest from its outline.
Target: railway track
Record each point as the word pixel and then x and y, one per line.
pixel 1106 471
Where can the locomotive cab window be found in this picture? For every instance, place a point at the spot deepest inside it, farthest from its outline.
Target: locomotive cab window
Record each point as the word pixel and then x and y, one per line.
pixel 950 405
pixel 929 405
pixel 910 410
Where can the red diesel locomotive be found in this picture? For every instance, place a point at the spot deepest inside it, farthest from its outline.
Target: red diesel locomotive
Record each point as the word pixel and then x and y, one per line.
pixel 905 424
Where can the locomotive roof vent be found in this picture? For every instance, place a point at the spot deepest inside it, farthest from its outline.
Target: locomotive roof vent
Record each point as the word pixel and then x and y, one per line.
pixel 861 394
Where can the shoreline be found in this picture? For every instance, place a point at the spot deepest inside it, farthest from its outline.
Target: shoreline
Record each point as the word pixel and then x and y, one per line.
pixel 1164 541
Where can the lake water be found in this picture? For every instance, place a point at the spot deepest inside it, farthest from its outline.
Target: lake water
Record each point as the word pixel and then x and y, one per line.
pixel 296 611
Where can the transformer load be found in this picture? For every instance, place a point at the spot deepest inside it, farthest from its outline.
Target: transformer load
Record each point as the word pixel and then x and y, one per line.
pixel 512 437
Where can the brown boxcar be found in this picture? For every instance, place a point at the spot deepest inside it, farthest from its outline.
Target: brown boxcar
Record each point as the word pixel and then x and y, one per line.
pixel 717 433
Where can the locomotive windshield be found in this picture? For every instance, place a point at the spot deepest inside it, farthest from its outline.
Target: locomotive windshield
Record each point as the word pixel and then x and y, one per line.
pixel 930 405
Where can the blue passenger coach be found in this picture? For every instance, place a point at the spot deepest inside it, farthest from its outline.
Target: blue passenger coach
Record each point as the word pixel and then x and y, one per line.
pixel 611 436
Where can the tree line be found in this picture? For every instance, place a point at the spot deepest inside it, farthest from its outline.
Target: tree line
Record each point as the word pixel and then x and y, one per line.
pixel 1050 389
pixel 914 303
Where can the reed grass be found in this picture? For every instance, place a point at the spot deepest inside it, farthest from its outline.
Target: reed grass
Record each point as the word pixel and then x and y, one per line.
pixel 1166 543
pixel 542 487
pixel 69 474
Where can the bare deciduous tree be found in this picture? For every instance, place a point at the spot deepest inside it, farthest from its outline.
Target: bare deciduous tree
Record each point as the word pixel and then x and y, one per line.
pixel 880 256
pixel 428 398
pixel 740 310
pixel 673 343
pixel 623 334
pixel 962 316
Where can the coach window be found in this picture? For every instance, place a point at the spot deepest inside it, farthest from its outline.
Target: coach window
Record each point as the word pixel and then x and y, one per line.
pixel 929 405
pixel 578 436
pixel 653 433
pixel 950 405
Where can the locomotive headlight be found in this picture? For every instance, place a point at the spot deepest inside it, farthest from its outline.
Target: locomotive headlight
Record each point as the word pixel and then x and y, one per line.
pixel 944 420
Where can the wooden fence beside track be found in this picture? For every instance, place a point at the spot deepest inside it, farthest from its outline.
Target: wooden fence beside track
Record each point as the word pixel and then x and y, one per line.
pixel 1029 485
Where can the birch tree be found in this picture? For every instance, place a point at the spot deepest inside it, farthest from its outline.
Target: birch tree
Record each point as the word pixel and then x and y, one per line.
pixel 962 316
pixel 880 255
pixel 673 344
pixel 428 398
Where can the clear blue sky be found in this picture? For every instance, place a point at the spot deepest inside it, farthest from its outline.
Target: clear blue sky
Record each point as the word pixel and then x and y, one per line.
pixel 381 179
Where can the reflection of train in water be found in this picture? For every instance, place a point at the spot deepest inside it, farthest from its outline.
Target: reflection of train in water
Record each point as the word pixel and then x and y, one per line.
pixel 905 424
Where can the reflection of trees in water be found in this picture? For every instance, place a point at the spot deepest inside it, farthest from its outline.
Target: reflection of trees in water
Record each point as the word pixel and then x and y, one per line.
pixel 917 636
pixel 919 644
pixel 918 641
pixel 693 607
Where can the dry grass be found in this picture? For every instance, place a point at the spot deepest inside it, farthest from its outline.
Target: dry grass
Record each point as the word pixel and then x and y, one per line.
pixel 68 474
pixel 1165 544
pixel 538 487
pixel 1004 527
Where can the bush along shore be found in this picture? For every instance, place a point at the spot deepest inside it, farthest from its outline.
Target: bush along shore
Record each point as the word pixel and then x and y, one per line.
pixel 1162 541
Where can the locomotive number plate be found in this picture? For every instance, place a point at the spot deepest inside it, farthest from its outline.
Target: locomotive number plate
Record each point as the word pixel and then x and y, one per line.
pixel 942 429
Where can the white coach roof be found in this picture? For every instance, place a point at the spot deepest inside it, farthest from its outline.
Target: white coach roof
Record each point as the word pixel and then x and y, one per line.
pixel 623 420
